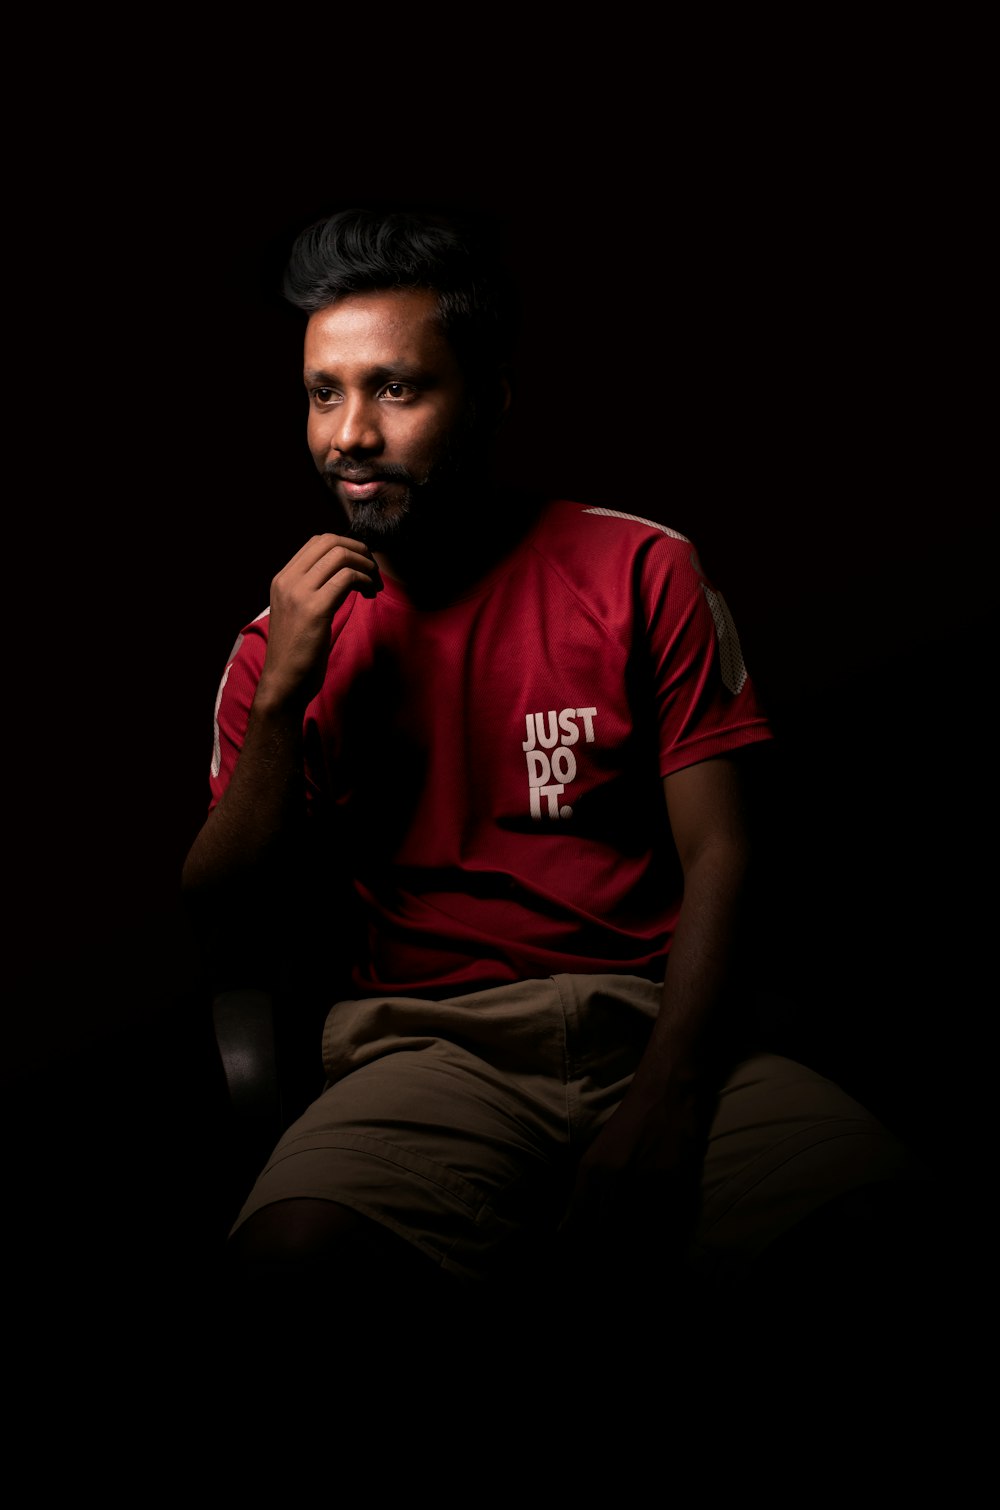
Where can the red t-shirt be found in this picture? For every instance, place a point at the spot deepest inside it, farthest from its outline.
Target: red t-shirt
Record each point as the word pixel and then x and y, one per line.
pixel 490 773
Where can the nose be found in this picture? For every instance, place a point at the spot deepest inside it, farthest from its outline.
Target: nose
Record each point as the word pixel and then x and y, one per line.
pixel 356 429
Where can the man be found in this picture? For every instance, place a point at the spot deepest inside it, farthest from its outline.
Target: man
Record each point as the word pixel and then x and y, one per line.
pixel 515 732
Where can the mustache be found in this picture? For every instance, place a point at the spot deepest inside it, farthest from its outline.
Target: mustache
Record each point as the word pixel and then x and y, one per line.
pixel 390 471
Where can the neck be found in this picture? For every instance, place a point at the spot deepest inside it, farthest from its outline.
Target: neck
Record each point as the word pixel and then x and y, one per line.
pixel 461 549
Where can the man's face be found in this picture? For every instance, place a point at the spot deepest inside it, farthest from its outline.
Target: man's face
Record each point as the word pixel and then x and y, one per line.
pixel 390 422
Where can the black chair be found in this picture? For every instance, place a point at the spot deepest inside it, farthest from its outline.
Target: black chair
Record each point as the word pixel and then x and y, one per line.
pixel 243 1020
pixel 268 1039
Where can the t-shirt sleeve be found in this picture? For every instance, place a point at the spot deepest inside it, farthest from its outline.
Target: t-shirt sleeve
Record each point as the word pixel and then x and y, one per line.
pixel 706 701
pixel 233 702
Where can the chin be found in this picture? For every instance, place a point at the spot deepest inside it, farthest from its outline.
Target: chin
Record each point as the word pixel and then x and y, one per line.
pixel 377 524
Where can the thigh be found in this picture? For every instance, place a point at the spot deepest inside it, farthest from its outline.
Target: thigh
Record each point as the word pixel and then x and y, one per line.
pixel 784 1141
pixel 444 1122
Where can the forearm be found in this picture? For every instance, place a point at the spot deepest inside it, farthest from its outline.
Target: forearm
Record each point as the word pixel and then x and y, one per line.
pixel 240 880
pixel 639 1175
pixel 261 814
pixel 698 973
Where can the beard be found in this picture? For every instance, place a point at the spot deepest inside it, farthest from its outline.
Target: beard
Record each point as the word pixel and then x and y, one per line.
pixel 414 505
pixel 377 521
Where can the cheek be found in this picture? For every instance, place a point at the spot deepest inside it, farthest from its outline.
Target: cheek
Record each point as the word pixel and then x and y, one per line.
pixel 316 439
pixel 430 441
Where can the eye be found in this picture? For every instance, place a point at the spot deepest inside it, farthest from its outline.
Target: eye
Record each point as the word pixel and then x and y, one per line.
pixel 322 397
pixel 397 390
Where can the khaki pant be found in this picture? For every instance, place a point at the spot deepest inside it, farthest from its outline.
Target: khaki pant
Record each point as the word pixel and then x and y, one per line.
pixel 457 1124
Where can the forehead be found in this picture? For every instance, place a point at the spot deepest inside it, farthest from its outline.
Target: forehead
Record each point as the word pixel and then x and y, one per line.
pixel 378 330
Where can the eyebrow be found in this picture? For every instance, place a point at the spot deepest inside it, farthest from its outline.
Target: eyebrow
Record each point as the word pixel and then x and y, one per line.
pixel 398 372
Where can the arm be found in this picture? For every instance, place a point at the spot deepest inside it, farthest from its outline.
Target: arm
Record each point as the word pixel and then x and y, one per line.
pixel 252 834
pixel 707 810
pixel 643 1166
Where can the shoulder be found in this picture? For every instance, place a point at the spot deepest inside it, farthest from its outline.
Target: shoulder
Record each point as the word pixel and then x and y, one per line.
pixel 612 550
pixel 590 533
pixel 617 567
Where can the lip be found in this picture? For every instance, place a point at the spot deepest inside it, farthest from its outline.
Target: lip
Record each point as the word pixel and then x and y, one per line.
pixel 359 491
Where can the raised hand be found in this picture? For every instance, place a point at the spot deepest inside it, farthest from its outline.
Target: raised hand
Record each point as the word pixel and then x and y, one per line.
pixel 305 595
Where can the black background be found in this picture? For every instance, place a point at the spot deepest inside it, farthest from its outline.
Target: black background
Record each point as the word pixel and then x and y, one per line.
pixel 750 312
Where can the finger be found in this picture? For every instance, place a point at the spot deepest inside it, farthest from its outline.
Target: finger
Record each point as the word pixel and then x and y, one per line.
pixel 317 546
pixel 320 586
pixel 331 593
pixel 338 558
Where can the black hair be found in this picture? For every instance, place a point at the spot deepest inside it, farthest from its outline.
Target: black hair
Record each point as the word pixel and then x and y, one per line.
pixel 369 249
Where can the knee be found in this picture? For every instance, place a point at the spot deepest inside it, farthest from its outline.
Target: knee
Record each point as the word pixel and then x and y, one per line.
pixel 293 1234
pixel 305 1237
